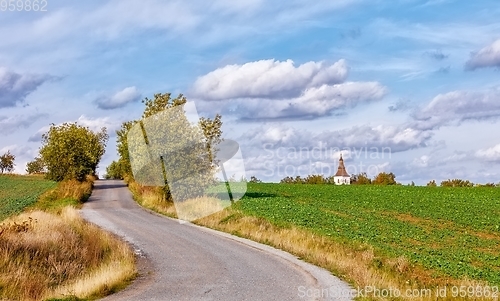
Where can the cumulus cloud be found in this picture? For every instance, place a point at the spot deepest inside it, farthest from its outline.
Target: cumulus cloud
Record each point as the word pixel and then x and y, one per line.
pixel 37 137
pixel 488 56
pixel 395 138
pixel 457 106
pixel 314 102
pixel 119 99
pixel 491 154
pixel 15 87
pixel 267 79
pixel 269 89
pixel 9 124
pixel 95 124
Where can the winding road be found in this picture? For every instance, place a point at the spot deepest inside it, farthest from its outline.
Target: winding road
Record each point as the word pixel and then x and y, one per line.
pixel 187 262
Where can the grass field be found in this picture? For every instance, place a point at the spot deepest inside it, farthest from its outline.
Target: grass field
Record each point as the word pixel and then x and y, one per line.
pixel 18 192
pixel 451 231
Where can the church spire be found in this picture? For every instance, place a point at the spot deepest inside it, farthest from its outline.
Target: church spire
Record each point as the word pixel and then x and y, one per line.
pixel 341 171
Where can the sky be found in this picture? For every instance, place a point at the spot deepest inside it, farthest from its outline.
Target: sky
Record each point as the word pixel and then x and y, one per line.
pixel 410 87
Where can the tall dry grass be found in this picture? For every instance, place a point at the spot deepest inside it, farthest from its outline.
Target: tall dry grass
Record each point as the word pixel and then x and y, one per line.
pixel 44 255
pixel 152 198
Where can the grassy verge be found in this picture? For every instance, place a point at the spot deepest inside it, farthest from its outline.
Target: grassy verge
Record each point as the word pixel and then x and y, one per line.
pixel 406 239
pixel 51 253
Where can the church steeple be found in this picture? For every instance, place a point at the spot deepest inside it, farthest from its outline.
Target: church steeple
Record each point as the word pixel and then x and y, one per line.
pixel 341 171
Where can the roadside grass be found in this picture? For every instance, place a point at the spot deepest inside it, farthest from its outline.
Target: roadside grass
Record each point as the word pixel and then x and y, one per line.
pixel 50 253
pixel 399 238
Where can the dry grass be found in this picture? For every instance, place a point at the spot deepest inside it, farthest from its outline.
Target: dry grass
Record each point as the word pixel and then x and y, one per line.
pixel 70 192
pixel 152 198
pixel 43 255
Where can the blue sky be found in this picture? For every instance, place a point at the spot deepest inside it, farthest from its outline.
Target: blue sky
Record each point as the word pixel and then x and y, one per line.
pixel 405 86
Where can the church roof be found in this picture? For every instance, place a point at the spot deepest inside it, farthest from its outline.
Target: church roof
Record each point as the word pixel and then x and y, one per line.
pixel 341 172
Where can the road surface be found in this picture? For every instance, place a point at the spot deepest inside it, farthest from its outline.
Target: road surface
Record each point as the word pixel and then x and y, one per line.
pixel 187 262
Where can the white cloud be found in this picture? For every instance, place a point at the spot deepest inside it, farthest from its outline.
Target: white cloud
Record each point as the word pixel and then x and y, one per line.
pixel 491 154
pixel 15 87
pixel 488 56
pixel 37 137
pixel 389 138
pixel 10 124
pixel 95 124
pixel 267 79
pixel 313 103
pixel 270 89
pixel 119 99
pixel 458 106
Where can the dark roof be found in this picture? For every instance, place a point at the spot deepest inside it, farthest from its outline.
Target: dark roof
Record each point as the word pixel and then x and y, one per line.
pixel 341 172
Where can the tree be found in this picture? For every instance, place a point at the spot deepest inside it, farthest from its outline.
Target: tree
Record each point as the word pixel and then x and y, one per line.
pixel 183 152
pixel 457 183
pixel 361 179
pixel 36 166
pixel 114 171
pixel 432 183
pixel 253 179
pixel 384 178
pixel 72 151
pixel 7 162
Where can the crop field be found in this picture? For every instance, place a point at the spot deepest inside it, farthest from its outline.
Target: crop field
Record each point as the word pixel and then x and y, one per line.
pixel 454 232
pixel 18 192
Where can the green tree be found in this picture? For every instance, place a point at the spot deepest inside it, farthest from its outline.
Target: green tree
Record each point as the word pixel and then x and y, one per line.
pixel 361 179
pixel 7 162
pixel 385 178
pixel 457 183
pixel 254 179
pixel 36 166
pixel 114 171
pixel 72 151
pixel 432 183
pixel 167 125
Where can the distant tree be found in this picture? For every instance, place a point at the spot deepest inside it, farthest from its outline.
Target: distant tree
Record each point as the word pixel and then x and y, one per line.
pixel 287 180
pixel 361 179
pixel 72 151
pixel 114 171
pixel 384 178
pixel 412 183
pixel 290 180
pixel 314 179
pixel 432 183
pixel 457 183
pixel 253 179
pixel 36 166
pixel 486 185
pixel 7 162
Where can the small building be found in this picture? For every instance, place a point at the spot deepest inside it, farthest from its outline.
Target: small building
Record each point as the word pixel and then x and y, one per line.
pixel 341 177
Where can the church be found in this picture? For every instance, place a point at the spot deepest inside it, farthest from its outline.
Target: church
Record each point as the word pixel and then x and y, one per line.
pixel 341 177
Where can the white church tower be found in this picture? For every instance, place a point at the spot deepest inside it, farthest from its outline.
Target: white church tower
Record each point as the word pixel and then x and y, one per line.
pixel 342 177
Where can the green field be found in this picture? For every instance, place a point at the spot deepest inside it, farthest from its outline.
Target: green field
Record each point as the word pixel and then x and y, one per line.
pixel 18 192
pixel 454 232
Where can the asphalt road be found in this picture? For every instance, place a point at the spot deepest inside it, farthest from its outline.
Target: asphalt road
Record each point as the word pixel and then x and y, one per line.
pixel 187 262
